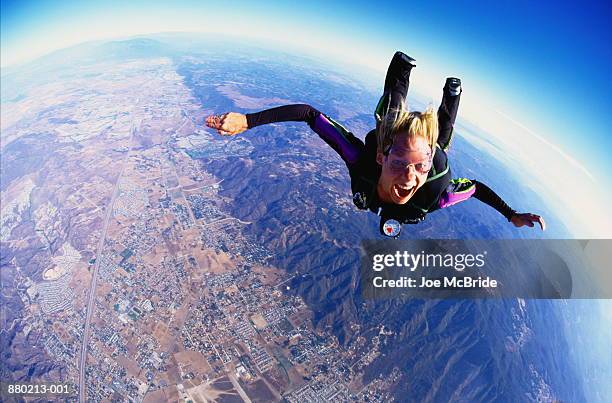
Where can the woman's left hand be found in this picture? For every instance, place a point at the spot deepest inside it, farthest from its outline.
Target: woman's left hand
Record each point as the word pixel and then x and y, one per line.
pixel 528 219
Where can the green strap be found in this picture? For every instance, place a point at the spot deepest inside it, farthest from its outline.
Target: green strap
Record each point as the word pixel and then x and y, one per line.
pixel 461 181
pixel 424 210
pixel 378 112
pixel 339 128
pixel 433 178
pixel 446 146
pixel 433 166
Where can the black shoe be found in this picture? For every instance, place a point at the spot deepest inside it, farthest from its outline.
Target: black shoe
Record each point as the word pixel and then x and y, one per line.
pixel 398 73
pixel 405 58
pixel 453 85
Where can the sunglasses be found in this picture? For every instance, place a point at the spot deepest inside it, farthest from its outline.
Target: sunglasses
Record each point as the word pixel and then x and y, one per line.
pixel 400 166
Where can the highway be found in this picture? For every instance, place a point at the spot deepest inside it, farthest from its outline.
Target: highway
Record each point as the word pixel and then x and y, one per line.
pixel 94 276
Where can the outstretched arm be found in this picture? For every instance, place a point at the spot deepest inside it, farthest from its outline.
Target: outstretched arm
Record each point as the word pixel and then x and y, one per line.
pixel 341 140
pixel 487 195
pixel 462 189
pixel 232 123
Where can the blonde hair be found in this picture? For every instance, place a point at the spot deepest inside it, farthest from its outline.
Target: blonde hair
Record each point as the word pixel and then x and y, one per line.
pixel 416 124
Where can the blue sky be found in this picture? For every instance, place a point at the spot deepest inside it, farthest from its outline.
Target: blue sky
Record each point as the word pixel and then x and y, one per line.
pixel 534 70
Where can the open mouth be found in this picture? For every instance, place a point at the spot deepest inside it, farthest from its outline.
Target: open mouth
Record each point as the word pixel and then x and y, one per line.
pixel 402 190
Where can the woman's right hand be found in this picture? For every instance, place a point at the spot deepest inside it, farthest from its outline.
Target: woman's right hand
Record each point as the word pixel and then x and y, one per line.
pixel 228 124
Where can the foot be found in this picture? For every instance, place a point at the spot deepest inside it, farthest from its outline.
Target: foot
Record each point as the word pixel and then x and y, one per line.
pixel 405 58
pixel 454 86
pixel 398 73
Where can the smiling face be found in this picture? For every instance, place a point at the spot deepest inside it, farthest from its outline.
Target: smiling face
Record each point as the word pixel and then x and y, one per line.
pixel 399 181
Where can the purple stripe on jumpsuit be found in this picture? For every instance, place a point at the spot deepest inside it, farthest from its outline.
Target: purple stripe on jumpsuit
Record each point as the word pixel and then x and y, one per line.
pixel 330 134
pixel 448 199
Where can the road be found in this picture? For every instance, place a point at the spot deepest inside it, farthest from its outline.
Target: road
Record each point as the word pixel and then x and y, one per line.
pixel 208 224
pixel 94 275
pixel 237 386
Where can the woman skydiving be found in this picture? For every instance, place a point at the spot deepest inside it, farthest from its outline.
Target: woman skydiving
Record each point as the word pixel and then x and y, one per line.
pixel 401 172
